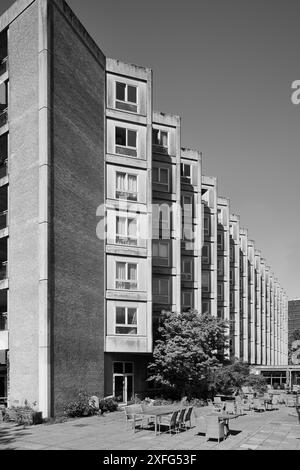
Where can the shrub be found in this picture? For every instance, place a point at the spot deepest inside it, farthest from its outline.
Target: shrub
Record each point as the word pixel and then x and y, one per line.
pixel 22 415
pixel 108 404
pixel 80 407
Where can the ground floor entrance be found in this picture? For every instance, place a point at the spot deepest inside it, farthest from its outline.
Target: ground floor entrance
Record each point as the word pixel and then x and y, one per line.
pixel 123 381
pixel 3 385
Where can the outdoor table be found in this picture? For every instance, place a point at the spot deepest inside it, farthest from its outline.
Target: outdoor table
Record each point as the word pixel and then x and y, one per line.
pixel 155 412
pixel 225 417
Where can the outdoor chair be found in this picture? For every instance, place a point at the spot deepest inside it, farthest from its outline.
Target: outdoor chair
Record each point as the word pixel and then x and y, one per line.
pixel 129 414
pixel 169 421
pixel 214 428
pixel 230 407
pixel 188 417
pixel 290 402
pixel 218 403
pixel 275 401
pixel 258 405
pixel 180 421
pixel 201 425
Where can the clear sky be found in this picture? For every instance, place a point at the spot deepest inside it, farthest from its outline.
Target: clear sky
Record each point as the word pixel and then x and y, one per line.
pixel 225 66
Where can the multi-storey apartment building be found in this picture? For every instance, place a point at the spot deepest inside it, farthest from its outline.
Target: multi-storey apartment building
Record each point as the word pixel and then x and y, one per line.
pixel 106 221
pixel 294 315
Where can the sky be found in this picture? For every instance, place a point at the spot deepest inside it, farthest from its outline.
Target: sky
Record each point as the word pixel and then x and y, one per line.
pixel 226 67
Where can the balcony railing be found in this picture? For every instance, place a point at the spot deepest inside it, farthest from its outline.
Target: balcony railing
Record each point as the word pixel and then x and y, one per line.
pixel 3 168
pixel 126 285
pixel 3 65
pixel 3 220
pixel 3 321
pixel 3 117
pixel 128 196
pixel 3 270
pixel 121 240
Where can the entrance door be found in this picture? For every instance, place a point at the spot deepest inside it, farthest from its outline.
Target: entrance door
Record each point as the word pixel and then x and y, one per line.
pixel 123 381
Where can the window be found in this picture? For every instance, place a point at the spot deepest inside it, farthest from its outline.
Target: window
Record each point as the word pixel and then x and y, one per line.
pixel 161 253
pixel 126 186
pixel 220 240
pixel 126 321
pixel 232 257
pixel 206 253
pixel 231 276
pixel 126 97
pixel 161 221
pixel 126 141
pixel 126 276
pixel 205 281
pixel 220 266
pixel 3 52
pixel 161 177
pixel 187 269
pixel 220 290
pixel 187 299
pixel 206 226
pixel 126 231
pixel 186 172
pixel 205 307
pixel 231 299
pixel 160 138
pixel 3 154
pixel 3 103
pixel 187 205
pixel 220 313
pixel 161 288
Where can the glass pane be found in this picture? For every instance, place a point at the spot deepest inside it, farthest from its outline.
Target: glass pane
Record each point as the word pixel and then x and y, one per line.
pixel 121 226
pixel 155 140
pixel 120 316
pixel 118 368
pixel 132 228
pixel 187 267
pixel 120 136
pixel 121 178
pixel 121 271
pixel 164 139
pixel 128 368
pixel 164 286
pixel 155 249
pixel 126 330
pixel 155 175
pixel 120 91
pixel 164 175
pixel 132 272
pixel 119 387
pixel 132 139
pixel 132 183
pixel 129 388
pixel 132 316
pixel 131 94
pixel 3 97
pixel 163 250
pixel 155 284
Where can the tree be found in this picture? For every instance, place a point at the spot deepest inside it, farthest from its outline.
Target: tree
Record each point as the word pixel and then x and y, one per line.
pixel 188 345
pixel 294 336
pixel 232 377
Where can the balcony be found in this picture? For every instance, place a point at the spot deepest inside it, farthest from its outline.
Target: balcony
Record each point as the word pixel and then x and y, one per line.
pixel 3 220
pixel 3 117
pixel 126 195
pixel 3 270
pixel 128 241
pixel 3 168
pixel 3 65
pixel 126 285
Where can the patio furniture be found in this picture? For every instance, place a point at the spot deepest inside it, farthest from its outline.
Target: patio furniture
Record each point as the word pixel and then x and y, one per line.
pixel 258 405
pixel 130 412
pixel 214 428
pixel 275 401
pixel 201 425
pixel 188 417
pixel 230 407
pixel 290 402
pixel 180 421
pixel 169 421
pixel 218 403
pixel 155 413
pixel 225 418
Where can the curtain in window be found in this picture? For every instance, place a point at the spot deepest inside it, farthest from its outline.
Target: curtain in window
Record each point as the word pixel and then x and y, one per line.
pixel 121 181
pixel 132 183
pixel 164 139
pixel 121 226
pixel 132 228
pixel 132 272
pixel 132 316
pixel 121 271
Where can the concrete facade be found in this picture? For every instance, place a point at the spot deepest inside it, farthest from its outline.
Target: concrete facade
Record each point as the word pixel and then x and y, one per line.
pixel 105 221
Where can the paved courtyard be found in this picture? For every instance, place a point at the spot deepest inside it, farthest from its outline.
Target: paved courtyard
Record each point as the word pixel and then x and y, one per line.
pixel 270 430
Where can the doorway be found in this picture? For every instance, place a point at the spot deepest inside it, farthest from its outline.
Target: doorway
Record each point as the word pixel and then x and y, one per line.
pixel 123 381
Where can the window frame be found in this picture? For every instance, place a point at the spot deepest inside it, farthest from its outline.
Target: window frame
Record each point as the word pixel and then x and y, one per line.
pixel 126 235
pixel 207 286
pixel 133 284
pixel 128 147
pixel 156 258
pixel 206 258
pixel 183 294
pixel 159 134
pixel 126 324
pixel 159 169
pixel 135 194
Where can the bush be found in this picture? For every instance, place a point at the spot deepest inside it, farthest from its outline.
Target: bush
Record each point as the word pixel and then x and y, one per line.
pixel 108 404
pixel 22 415
pixel 257 383
pixel 80 407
